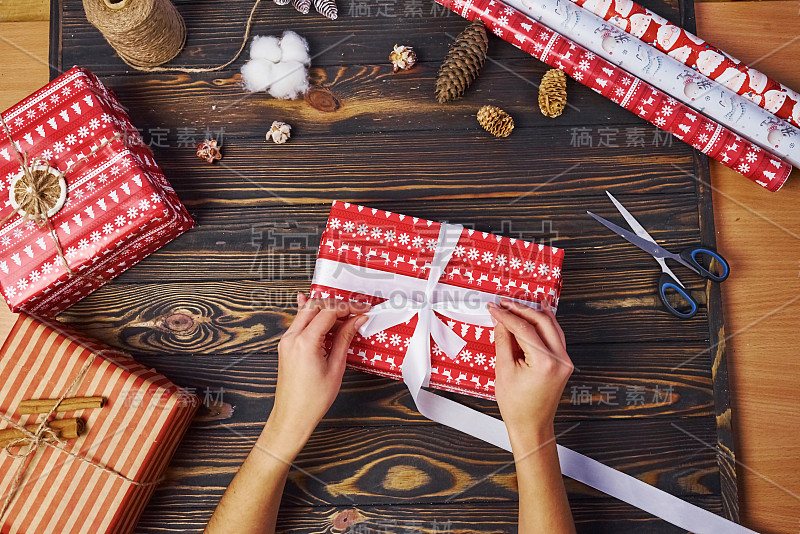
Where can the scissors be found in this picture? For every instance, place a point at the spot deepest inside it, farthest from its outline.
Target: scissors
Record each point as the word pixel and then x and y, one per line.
pixel 687 258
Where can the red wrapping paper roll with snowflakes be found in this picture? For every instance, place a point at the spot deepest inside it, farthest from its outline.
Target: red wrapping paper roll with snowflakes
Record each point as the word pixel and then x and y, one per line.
pixel 656 107
pixel 696 53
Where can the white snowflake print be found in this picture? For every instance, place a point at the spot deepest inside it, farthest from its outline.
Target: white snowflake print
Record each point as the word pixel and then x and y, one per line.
pixel 458 251
pixel 83 131
pixel 42 106
pixel 115 170
pixel 556 272
pixel 530 266
pixel 417 242
pixel 500 260
pixel 390 235
pixel 755 148
pixel 538 47
pixel 78 193
pixel 492 360
pixel 127 163
pixel 5 240
pixel 498 31
pixel 105 117
pixel 395 339
pixel 71 252
pixel 335 224
pixel 47 154
pixel 58 146
pixel 515 263
pixel 95 237
pixel 406 342
pixel 544 270
pixel 103 178
pixel 403 239
pixel 660 121
pixel 11 292
pixel 473 254
pixel 743 168
pixel 702 138
pixel 31 113
pixel 71 139
pixel 480 358
pixel 436 350
pixel 666 111
pixel 363 229
pixel 133 213
pixel 626 81
pixel 466 356
pixel 671 101
pixel 108 228
pixel 431 244
pixel 349 226
pixel 380 337
pixel 376 233
pixel 17 232
pixel 577 75
pixel 583 64
pixel 66 91
pixel 589 56
pixel 35 276
pixel 508 10
pixel 47 268
pixel 619 92
pixel 94 124
pixel 487 257
pixel 83 244
pixel 119 221
pixel 502 20
pixel 144 205
pixel 751 157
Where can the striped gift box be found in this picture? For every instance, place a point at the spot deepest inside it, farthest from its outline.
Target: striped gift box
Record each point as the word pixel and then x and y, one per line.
pixel 135 434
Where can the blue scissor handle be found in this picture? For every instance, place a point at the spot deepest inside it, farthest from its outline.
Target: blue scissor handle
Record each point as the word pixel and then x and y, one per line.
pixel 667 282
pixel 690 256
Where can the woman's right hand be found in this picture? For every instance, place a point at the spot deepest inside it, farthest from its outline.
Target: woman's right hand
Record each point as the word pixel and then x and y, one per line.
pixel 528 387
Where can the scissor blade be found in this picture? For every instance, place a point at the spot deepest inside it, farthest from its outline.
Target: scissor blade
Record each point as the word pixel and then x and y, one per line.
pixel 638 229
pixel 645 244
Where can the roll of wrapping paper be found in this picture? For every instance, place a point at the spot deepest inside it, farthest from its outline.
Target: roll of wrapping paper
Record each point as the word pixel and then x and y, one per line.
pixel 667 74
pixel 628 91
pixel 696 53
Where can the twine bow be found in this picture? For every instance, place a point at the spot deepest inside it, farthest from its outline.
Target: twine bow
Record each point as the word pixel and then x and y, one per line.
pixel 41 190
pixel 44 436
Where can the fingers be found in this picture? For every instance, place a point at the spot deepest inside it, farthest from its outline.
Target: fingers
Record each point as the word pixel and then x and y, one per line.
pixel 524 332
pixel 503 346
pixel 343 338
pixel 311 308
pixel 301 299
pixel 545 322
pixel 327 314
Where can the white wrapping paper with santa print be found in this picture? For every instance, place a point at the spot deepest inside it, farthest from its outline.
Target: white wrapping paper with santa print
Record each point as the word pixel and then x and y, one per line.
pixel 392 253
pixel 666 73
pixel 696 53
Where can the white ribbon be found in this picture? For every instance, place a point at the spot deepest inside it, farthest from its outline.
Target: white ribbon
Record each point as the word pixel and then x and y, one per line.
pixel 408 296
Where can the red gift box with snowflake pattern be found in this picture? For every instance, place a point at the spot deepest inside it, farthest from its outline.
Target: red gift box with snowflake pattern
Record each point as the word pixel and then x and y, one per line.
pixel 391 246
pixel 119 207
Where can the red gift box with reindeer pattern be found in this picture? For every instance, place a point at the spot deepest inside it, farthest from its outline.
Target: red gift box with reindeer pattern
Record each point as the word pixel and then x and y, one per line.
pixel 391 247
pixel 118 209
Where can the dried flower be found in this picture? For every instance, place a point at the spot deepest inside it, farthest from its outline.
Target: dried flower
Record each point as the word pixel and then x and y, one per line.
pixel 280 132
pixel 209 151
pixel 402 57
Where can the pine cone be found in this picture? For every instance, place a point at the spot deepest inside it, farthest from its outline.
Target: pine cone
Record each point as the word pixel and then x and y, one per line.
pixel 281 2
pixel 553 93
pixel 463 63
pixel 303 6
pixel 495 121
pixel 327 8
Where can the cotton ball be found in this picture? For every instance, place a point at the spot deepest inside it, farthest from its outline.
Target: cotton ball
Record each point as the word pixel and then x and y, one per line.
pixel 289 80
pixel 266 47
pixel 294 48
pixel 257 75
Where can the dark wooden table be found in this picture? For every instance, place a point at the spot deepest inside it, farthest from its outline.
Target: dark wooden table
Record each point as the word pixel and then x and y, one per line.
pixel 649 395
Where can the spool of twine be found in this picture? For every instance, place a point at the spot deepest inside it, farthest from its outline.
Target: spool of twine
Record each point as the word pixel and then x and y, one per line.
pixel 148 33
pixel 145 33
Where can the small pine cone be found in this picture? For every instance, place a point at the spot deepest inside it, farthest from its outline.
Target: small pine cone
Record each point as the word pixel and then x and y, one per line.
pixel 495 121
pixel 327 8
pixel 553 93
pixel 402 57
pixel 281 2
pixel 303 6
pixel 463 62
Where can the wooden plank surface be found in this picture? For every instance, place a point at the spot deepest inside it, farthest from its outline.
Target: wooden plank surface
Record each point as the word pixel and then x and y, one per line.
pixel 615 515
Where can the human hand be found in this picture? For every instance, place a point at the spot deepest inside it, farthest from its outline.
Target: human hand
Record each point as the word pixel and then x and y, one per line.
pixel 309 378
pixel 528 388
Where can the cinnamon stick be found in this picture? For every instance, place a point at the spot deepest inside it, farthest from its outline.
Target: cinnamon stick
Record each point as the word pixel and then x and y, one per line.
pixel 67 405
pixel 64 428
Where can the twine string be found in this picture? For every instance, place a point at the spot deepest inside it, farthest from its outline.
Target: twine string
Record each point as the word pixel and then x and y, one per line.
pixel 45 436
pixel 148 33
pixel 37 192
